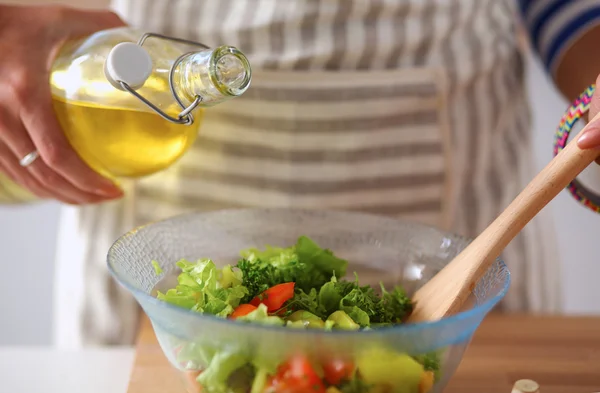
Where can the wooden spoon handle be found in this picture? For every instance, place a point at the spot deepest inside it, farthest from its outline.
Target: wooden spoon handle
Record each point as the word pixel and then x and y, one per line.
pixel 447 291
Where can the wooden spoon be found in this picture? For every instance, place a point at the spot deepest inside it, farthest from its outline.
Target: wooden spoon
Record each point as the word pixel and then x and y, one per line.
pixel 448 290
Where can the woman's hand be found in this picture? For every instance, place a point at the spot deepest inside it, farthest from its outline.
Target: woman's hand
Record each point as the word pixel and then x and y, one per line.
pixel 29 40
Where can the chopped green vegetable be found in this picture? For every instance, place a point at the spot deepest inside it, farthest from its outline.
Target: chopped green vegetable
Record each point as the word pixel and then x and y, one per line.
pixel 200 288
pixel 431 362
pixel 331 294
pixel 361 303
pixel 305 319
pixel 214 378
pixel 306 264
pixel 307 302
pixel 357 385
pixel 383 366
pixel 157 269
pixel 302 315
pixel 195 355
pixel 329 324
pixel 261 315
pixel 257 277
pixel 343 321
pixel 204 288
pixel 260 381
pixel 320 301
pixel 322 259
pixel 275 256
pixel 396 305
pixel 230 278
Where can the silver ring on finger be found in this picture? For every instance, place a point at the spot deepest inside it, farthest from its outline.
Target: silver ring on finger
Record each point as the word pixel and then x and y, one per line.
pixel 29 158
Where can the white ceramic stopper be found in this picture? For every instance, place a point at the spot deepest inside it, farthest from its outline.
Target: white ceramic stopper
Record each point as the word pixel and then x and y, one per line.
pixel 130 63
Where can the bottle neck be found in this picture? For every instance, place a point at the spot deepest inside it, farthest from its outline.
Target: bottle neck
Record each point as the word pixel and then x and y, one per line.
pixel 216 75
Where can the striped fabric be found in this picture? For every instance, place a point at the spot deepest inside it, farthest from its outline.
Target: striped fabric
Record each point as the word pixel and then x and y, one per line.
pixel 555 24
pixel 406 108
pixel 310 140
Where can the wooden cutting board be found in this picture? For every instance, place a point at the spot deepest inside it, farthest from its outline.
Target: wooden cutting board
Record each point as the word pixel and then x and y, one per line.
pixel 561 354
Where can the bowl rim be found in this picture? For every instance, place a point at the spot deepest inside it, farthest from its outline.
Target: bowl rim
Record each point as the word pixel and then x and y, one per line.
pixel 479 310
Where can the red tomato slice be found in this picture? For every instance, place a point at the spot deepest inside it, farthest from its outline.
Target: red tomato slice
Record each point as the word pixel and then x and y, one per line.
pixel 241 310
pixel 275 297
pixel 296 376
pixel 337 371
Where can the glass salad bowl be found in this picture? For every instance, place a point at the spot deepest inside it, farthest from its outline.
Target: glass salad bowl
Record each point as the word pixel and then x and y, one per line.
pixel 217 354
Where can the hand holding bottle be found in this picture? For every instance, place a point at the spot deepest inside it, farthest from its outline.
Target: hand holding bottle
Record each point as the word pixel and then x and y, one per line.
pixel 29 39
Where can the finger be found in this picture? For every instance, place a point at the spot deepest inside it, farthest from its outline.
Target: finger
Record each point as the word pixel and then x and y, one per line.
pixel 58 187
pixel 40 121
pixel 590 137
pixel 17 140
pixel 54 184
pixel 19 175
pixel 22 177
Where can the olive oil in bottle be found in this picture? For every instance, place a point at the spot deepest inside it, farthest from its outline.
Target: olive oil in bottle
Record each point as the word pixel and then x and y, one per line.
pixel 133 143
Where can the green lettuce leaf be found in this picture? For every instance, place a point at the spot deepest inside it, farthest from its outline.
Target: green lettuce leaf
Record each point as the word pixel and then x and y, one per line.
pixel 275 256
pixel 195 355
pixel 354 304
pixel 204 288
pixel 214 378
pixel 230 278
pixel 322 259
pixel 305 263
pixel 260 381
pixel 330 296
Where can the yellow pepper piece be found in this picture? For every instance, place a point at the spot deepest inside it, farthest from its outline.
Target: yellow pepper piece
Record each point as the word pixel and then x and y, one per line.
pixel 427 380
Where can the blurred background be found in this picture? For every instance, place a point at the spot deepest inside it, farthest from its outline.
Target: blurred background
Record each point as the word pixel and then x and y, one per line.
pixel 28 233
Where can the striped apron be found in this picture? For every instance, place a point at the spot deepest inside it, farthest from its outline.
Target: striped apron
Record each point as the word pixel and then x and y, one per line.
pixel 406 108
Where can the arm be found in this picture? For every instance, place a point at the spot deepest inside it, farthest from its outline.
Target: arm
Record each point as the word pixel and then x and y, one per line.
pixel 566 36
pixel 580 65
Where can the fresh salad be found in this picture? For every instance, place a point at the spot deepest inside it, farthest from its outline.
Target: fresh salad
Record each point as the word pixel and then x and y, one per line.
pixel 298 287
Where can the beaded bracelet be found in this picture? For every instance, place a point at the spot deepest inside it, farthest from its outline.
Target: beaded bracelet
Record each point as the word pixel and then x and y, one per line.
pixel 576 111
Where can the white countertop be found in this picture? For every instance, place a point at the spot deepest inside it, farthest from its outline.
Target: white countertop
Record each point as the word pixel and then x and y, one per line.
pixel 33 370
